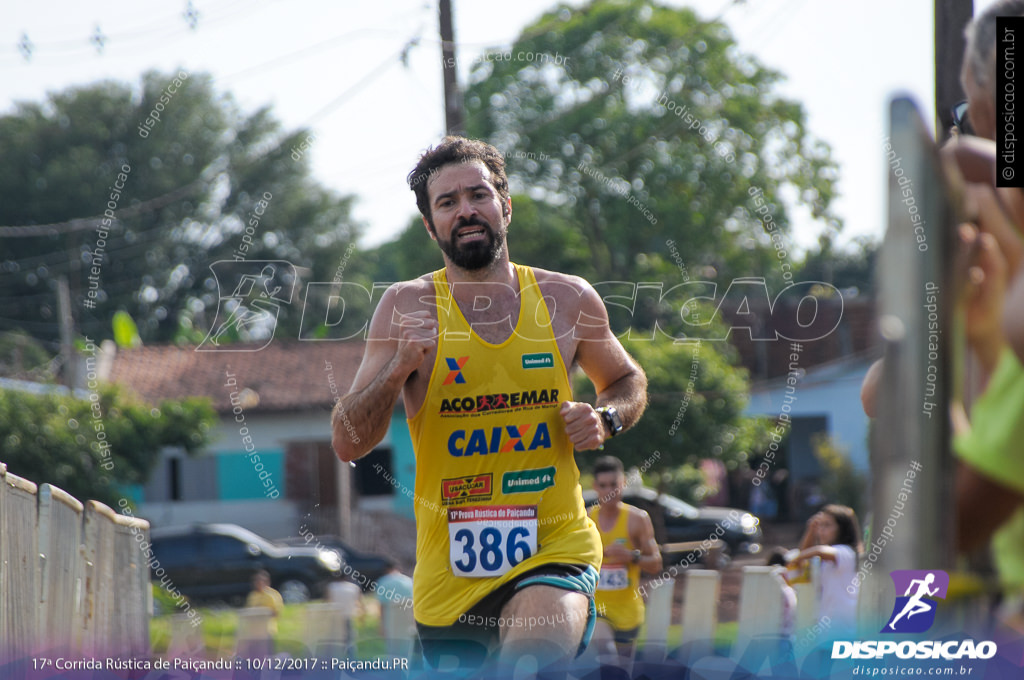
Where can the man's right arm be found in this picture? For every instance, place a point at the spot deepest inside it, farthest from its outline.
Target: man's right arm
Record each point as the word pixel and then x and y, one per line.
pixel 394 350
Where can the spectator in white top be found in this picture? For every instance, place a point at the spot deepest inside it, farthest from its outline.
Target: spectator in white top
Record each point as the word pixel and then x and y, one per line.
pixel 833 534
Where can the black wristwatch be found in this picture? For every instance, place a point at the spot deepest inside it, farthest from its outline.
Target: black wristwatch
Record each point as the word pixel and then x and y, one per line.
pixel 611 419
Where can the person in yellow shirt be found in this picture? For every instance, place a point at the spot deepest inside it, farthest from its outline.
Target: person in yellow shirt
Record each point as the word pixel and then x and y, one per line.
pixel 506 558
pixel 629 548
pixel 262 595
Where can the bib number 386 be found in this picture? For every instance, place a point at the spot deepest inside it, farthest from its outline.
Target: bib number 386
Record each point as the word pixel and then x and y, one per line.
pixel 489 540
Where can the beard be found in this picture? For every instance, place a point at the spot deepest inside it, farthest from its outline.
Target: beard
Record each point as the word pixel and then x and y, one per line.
pixel 475 255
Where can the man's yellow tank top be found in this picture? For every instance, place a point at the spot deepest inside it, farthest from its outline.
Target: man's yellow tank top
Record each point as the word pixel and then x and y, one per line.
pixel 618 597
pixel 497 489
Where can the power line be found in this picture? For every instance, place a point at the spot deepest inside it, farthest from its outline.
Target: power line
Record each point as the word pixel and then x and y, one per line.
pixel 81 223
pixel 162 29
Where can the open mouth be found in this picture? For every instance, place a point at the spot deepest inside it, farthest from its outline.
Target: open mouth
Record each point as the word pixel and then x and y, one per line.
pixel 472 233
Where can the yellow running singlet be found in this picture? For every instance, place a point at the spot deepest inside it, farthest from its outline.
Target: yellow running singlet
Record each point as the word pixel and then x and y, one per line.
pixel 618 596
pixel 497 489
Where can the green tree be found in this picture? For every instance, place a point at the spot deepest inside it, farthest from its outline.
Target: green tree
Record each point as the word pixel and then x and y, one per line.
pixel 852 267
pixel 22 356
pixel 695 409
pixel 192 183
pixel 649 124
pixel 92 447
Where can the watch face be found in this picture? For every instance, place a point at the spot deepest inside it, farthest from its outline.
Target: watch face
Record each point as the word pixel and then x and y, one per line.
pixel 611 417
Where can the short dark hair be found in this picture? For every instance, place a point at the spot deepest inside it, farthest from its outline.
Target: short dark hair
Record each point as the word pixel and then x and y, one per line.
pixel 777 556
pixel 454 150
pixel 608 464
pixel 849 528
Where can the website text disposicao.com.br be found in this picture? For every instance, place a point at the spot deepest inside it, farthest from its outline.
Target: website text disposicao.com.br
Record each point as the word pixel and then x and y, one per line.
pixel 908 651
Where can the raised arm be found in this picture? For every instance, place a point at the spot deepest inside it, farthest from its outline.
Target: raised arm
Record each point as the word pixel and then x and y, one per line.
pixel 826 552
pixel 397 345
pixel 810 537
pixel 618 379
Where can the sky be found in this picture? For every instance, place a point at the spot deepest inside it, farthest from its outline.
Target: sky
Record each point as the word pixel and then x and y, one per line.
pixel 334 66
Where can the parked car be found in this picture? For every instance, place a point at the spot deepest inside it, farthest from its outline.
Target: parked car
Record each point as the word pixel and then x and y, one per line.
pixel 363 568
pixel 217 561
pixel 676 521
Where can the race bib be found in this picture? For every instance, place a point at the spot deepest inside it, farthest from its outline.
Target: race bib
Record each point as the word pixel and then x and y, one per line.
pixel 613 578
pixel 489 540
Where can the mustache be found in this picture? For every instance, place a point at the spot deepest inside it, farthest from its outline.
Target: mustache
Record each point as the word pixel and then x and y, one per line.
pixel 473 221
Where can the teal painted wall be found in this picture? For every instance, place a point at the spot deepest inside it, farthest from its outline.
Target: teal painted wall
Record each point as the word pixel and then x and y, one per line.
pixel 238 476
pixel 133 493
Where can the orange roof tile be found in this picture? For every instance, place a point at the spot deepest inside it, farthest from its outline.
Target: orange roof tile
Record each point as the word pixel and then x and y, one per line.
pixel 287 375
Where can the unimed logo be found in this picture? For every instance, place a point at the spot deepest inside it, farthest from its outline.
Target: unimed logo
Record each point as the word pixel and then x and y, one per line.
pixel 539 360
pixel 914 610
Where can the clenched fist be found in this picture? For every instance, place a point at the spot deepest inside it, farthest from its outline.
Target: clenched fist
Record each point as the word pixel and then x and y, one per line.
pixel 417 336
pixel 583 424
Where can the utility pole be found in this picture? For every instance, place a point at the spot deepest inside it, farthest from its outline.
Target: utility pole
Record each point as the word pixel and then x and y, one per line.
pixel 344 482
pixel 69 369
pixel 453 121
pixel 951 16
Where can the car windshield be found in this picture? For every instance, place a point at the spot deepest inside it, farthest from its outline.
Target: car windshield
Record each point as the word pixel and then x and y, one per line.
pixel 249 537
pixel 678 508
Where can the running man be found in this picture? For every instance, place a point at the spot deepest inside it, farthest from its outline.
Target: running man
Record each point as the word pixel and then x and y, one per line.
pixel 914 604
pixel 629 548
pixel 510 562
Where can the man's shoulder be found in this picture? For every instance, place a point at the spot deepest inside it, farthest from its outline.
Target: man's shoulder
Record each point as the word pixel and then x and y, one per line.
pixel 546 277
pixel 570 292
pixel 634 511
pixel 410 293
pixel 637 517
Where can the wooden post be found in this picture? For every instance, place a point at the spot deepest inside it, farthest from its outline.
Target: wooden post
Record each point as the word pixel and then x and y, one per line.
pixel 453 121
pixel 700 610
pixel 911 462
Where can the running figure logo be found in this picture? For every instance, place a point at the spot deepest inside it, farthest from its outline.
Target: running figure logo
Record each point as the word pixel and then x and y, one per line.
pixel 914 611
pixel 249 312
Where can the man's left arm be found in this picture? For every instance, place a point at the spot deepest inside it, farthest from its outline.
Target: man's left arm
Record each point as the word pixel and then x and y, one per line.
pixel 642 534
pixel 619 381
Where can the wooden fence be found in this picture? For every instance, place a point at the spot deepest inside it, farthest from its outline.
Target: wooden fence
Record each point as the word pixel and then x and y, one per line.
pixel 73 580
pixel 760 611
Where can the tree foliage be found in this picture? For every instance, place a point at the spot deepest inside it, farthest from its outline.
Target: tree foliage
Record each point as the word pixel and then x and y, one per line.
pixel 191 185
pixel 92 446
pixel 845 269
pixel 654 126
pixel 634 157
pixel 695 408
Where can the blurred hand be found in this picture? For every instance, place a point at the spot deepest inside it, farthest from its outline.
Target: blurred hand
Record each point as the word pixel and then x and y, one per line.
pixel 617 554
pixel 985 286
pixel 999 214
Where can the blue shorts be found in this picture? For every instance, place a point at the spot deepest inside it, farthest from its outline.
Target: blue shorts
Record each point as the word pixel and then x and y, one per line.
pixel 475 635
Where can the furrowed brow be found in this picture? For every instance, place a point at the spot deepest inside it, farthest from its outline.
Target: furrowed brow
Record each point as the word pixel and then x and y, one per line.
pixel 470 189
